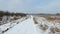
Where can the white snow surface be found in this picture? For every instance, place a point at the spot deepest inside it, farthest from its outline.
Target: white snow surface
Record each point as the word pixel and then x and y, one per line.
pixel 28 27
pixel 25 27
pixel 10 24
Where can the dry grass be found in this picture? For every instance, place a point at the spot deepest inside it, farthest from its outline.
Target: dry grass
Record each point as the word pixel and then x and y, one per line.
pixel 43 27
pixel 54 30
pixel 57 30
pixel 51 18
pixel 35 20
pixel 48 17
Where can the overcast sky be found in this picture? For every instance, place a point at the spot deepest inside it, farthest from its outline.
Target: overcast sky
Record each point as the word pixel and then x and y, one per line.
pixel 31 6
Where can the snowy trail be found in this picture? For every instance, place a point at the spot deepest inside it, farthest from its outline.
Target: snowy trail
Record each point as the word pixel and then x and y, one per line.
pixel 25 27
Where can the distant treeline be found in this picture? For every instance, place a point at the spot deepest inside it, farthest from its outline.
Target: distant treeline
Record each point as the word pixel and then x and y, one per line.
pixel 45 14
pixel 6 13
pixel 50 14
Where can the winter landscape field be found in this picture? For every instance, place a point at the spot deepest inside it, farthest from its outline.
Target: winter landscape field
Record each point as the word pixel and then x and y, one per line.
pixel 29 16
pixel 31 24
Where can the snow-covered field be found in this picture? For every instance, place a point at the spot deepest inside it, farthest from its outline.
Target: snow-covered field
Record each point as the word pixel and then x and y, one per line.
pixel 47 27
pixel 33 25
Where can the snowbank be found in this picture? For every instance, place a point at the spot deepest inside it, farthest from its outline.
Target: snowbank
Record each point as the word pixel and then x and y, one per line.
pixel 9 25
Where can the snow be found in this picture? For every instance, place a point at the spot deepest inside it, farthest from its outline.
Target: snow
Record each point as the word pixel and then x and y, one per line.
pixel 10 24
pixel 25 27
pixel 51 24
pixel 28 27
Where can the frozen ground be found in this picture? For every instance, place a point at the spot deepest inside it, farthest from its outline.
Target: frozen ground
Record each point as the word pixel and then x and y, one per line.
pixel 35 25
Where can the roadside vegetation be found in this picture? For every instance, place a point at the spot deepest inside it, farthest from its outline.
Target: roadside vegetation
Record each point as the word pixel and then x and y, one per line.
pixel 51 18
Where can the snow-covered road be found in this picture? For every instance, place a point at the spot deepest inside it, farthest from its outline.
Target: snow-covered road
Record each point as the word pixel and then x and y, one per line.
pixel 25 27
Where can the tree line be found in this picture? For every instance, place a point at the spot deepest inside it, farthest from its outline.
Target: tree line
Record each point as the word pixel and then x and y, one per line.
pixel 7 13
